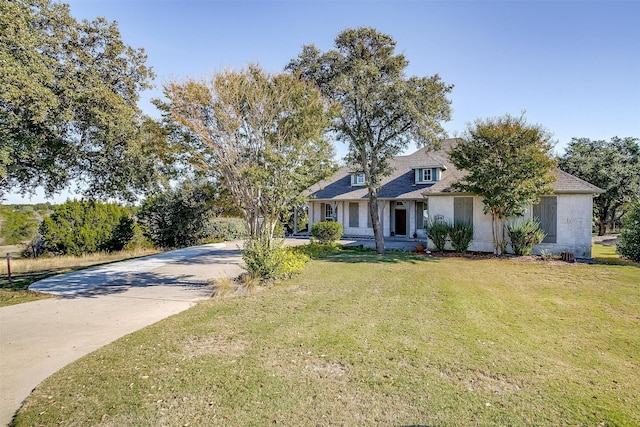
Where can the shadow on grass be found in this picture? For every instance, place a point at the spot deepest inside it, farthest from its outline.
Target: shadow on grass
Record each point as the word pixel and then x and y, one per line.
pixel 352 256
pixel 606 254
pixel 622 262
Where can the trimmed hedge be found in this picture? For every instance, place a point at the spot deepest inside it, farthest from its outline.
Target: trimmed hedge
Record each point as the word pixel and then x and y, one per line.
pixel 327 231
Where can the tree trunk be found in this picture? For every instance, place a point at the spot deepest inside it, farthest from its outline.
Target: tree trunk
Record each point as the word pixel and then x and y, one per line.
pixel 375 221
pixel 602 225
pixel 497 225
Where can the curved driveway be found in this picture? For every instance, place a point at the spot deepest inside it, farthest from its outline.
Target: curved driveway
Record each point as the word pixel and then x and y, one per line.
pixel 97 306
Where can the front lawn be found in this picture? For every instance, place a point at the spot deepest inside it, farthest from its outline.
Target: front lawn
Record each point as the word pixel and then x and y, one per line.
pixel 358 339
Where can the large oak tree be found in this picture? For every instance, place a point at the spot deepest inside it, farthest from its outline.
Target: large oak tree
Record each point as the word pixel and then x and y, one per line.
pixel 68 104
pixel 381 110
pixel 613 166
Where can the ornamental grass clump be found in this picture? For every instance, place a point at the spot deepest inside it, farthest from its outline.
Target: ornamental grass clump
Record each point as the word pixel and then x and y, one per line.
pixel 438 232
pixel 461 234
pixel 525 235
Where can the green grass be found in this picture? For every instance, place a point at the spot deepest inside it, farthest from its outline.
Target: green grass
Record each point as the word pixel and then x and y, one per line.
pixel 607 255
pixel 25 271
pixel 359 339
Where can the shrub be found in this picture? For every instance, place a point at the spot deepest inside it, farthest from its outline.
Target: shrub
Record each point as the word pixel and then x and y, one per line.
pixel 292 262
pixel 327 231
pixel 461 236
pixel 177 218
pixel 629 241
pixel 438 231
pixel 19 226
pixel 127 235
pixel 225 229
pixel 524 235
pixel 270 262
pixel 81 227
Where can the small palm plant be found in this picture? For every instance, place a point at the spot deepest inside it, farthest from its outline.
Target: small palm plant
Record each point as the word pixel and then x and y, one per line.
pixel 525 235
pixel 438 231
pixel 461 236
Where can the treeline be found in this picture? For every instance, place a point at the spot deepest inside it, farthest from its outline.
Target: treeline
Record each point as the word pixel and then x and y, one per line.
pixel 190 214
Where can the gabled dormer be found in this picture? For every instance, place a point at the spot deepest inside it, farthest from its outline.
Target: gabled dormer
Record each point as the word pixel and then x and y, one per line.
pixel 357 179
pixel 428 174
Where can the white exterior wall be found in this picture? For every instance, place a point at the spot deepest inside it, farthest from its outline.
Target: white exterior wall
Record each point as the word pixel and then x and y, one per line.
pixel 362 229
pixel 482 233
pixel 574 216
pixel 574 228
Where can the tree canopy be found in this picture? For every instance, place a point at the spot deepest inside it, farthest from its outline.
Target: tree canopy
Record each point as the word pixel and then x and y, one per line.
pixel 259 135
pixel 68 104
pixel 611 165
pixel 380 110
pixel 18 225
pixel 509 165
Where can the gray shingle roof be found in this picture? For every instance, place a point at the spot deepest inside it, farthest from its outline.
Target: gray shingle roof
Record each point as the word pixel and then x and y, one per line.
pixel 400 184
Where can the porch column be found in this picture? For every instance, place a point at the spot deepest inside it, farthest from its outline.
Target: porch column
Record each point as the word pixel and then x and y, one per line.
pixel 407 225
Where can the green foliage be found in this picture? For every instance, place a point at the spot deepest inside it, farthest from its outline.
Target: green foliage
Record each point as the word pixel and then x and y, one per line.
pixel 461 234
pixel 18 226
pixel 261 135
pixel 225 229
pixel 81 227
pixel 269 262
pixel 289 220
pixel 509 165
pixel 127 235
pixel 291 262
pixel 524 235
pixel 438 231
pixel 327 231
pixel 629 241
pixel 178 217
pixel 380 110
pixel 68 104
pixel 614 166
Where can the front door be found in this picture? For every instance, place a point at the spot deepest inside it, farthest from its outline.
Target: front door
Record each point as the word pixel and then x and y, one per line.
pixel 401 222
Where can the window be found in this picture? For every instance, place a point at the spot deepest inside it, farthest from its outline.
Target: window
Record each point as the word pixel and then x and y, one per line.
pixel 547 213
pixel 357 179
pixel 463 209
pixel 354 215
pixel 328 212
pixel 422 215
pixel 424 175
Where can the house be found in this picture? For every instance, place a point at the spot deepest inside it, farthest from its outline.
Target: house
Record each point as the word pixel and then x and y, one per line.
pixel 420 189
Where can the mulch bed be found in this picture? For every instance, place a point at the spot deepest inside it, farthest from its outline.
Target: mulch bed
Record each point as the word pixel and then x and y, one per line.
pixel 487 255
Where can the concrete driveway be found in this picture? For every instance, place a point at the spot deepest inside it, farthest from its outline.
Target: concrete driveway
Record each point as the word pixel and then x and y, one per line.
pixel 97 306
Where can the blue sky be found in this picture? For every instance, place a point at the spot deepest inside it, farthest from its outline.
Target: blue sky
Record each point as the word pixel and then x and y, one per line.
pixel 573 66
